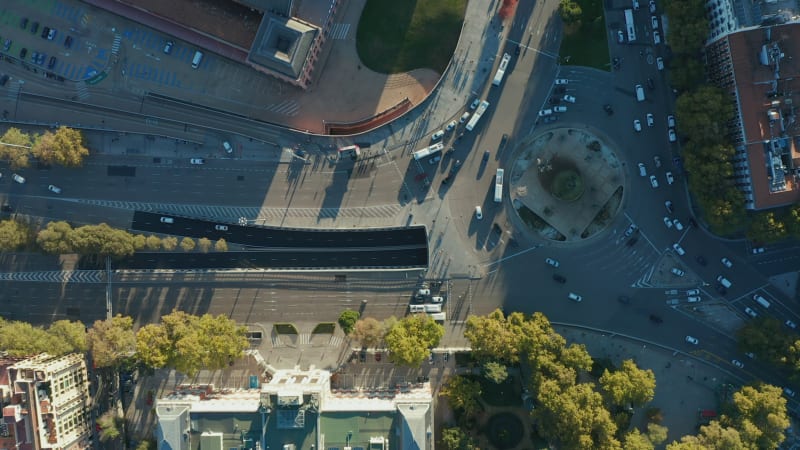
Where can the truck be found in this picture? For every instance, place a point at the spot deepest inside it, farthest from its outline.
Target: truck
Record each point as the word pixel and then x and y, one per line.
pixel 433 307
pixel 476 116
pixel 428 151
pixel 498 185
pixel 501 70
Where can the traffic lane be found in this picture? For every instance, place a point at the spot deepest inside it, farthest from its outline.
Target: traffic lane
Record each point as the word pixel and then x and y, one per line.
pixel 42 303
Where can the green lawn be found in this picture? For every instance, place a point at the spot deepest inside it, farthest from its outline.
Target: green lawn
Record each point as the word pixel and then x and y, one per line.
pixel 586 44
pixel 396 36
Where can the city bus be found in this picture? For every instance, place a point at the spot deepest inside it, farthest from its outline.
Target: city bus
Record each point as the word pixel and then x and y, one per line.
pixel 629 25
pixel 501 71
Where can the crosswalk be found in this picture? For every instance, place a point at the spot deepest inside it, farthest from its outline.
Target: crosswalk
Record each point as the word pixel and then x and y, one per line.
pixel 305 339
pixel 287 107
pixel 13 90
pixel 117 42
pixel 56 276
pixel 339 31
pixel 83 90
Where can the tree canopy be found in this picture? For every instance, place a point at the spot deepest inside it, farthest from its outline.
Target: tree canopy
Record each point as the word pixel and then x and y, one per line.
pixel 462 393
pixel 368 331
pixel 409 341
pixel 64 147
pixel 112 341
pixel 24 339
pixel 629 384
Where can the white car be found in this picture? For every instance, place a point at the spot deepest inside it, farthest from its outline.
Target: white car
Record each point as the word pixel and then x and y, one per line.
pixel 650 120
pixel 637 125
pixel 670 178
pixel 660 63
pixel 545 112
pixel 197 161
pixel 672 136
pixel 167 220
pixel 18 179
pixel 652 6
pixel 620 37
pixel 168 47
pixel 737 363
pixel 221 227
pixel 475 103
pixel 53 188
pixel 693 299
pixel 438 135
pixel 656 37
pixel 788 392
pixel 227 146
pixel 693 292
pixel 642 170
pixel 552 262
pixel 654 22
pixel 569 98
pixel 575 297
pixel 758 250
pixel 678 224
pixel 667 222
pixel 750 313
pixel 692 340
pixel 562 81
pixel 464 117
pixel 668 205
pixel 790 324
pixel 678 249
pixel 560 109
pixel 727 263
pixel 670 121
pixel 677 272
pixel 451 126
pixel 653 181
pixel 478 213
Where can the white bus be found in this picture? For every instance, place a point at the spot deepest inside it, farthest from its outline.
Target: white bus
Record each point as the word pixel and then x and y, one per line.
pixel 501 71
pixel 498 186
pixel 629 25
pixel 476 116
pixel 428 151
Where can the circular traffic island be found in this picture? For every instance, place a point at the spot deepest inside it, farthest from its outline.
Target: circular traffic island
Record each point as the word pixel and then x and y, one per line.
pixel 566 184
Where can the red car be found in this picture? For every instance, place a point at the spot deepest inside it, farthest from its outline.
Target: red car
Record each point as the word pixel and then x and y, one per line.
pixel 377 357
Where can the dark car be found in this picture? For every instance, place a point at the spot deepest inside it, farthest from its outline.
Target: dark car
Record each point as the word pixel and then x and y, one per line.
pixel 23 23
pixel 68 42
pixel 655 319
pixel 559 279
pixel 721 289
pixel 608 109
pixel 34 27
pixel 517 50
pixel 651 84
pixel 702 261
pixel 23 53
pixel 4 80
pixel 51 63
pixel 446 180
pixel 486 156
pixel 692 222
pixel 45 32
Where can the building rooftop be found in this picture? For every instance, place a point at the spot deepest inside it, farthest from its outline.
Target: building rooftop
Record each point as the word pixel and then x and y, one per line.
pixel 282 44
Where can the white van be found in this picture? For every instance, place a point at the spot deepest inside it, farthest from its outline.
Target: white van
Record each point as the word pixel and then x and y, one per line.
pixel 724 281
pixel 198 58
pixel 429 308
pixel 639 93
pixel 498 185
pixel 416 308
pixel 761 300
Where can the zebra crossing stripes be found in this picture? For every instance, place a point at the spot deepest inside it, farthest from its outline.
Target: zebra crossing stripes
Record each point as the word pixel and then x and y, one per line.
pixel 335 341
pixel 115 46
pixel 286 107
pixel 305 339
pixel 339 31
pixel 276 341
pixel 83 90
pixel 13 90
pixel 55 276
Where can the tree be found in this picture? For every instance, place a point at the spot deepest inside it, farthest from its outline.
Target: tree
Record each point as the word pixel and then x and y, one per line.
pixel 64 147
pixel 759 415
pixel 24 339
pixel 656 433
pixel 187 244
pixel 368 331
pixel 13 235
pixel 570 11
pixel 204 244
pixel 462 394
pixel 169 243
pixel 347 320
pixel 102 240
pixel 410 340
pixel 629 384
pixel 766 227
pixel 112 342
pixel 221 245
pixel 68 336
pixel 109 425
pixel 15 148
pixel 495 337
pixel 766 337
pixel 634 440
pixel 139 242
pixel 153 242
pixel 495 372
pixel 456 439
pixel 703 114
pixel 56 238
pixel 711 437
pixel 688 15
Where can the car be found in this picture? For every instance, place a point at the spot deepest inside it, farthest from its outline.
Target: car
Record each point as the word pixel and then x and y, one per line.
pixel 673 301
pixel 670 178
pixel 221 227
pixel 168 47
pixel 650 120
pixel 635 5
pixel 545 112
pixel 23 53
pixel 788 392
pixel 478 213
pixel 654 22
pixel 693 299
pixel 660 63
pixel 7 45
pixel 23 23
pixel 569 98
pixel 51 34
pixel 620 37
pixel 750 355
pixel 671 135
pixel 653 181
pixel 630 230
pixel 758 250
pixel 655 319
pixel 668 205
pixel 227 147
pixel 560 109
pixel 486 155
pixel 4 79
pixel 54 189
pixel 678 249
pixel 68 42
pixel 434 160
pixel 737 363
pixel 34 57
pixel 559 279
pixel 652 6
pixel 197 161
pixel 701 260
pixel 446 179
pixel 727 263
pixel 18 179
pixel 40 59
pixel 693 292
pixel 575 297
pixel 790 324
pixel 475 103
pixel 692 340
pixel 464 117
pixel 608 109
pixel 637 125
pixel 550 119
pixel 657 161
pixel 438 135
pixel 670 121
pixel 678 224
pixel 451 126
pixel 642 170
pixel 750 312
pixel 167 220
pixel 562 81
pixel 51 63
pixel 692 222
pixel 34 27
pixel 677 272
pixel 667 222
pixel 517 50
pixel 656 37
pixel 651 84
pixel 552 262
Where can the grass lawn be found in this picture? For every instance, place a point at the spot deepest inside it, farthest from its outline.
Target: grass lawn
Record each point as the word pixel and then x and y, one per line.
pixel 285 328
pixel 586 44
pixel 396 36
pixel 324 328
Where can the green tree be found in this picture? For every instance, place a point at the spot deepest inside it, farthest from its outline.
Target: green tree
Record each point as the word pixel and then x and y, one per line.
pixel 187 244
pixel 629 384
pixel 110 426
pixel 688 15
pixel 146 444
pixel 221 245
pixel 462 394
pixel 759 415
pixel 13 235
pixel 766 227
pixel 64 147
pixel 410 340
pixel 570 11
pixel 102 240
pixel 56 238
pixel 15 146
pixel 69 337
pixel 495 337
pixel 711 437
pixel 348 319
pixel 169 243
pixel 153 242
pixel 634 440
pixel 139 242
pixel 368 332
pixel 24 339
pixel 455 439
pixel 112 341
pixel 766 337
pixel 703 114
pixel 204 244
pixel 656 433
pixel 495 371
pixel 686 73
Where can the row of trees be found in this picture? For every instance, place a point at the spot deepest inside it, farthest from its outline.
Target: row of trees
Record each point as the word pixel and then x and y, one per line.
pixel 181 341
pixel 576 414
pixel 64 147
pixel 60 238
pixel 773 342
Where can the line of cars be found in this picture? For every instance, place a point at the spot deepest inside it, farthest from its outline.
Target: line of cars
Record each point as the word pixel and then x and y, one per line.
pixel 21 180
pixel 37 57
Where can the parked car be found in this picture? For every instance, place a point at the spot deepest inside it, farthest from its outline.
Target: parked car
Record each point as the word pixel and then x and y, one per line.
pixel 660 63
pixel 642 170
pixel 569 98
pixel 18 179
pixel 34 27
pixel 221 227
pixel 671 135
pixel 475 103
pixel 227 146
pixel 750 312
pixel 631 229
pixel 790 324
pixel 197 161
pixel 552 262
pixel 451 126
pixel 737 363
pixel 670 121
pixel 560 109
pixel 575 297
pixel 670 178
pixel 727 263
pixel 561 81
pixel 653 181
pixel 478 213
pixel 637 125
pixel 438 135
pixel 678 249
pixel 168 47
pixel 677 272
pixel 620 37
pixel 68 41
pixel 692 340
pixel 650 120
pixel 668 205
pixel 54 189
pixel 678 224
pixel 667 222
pixel 693 299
